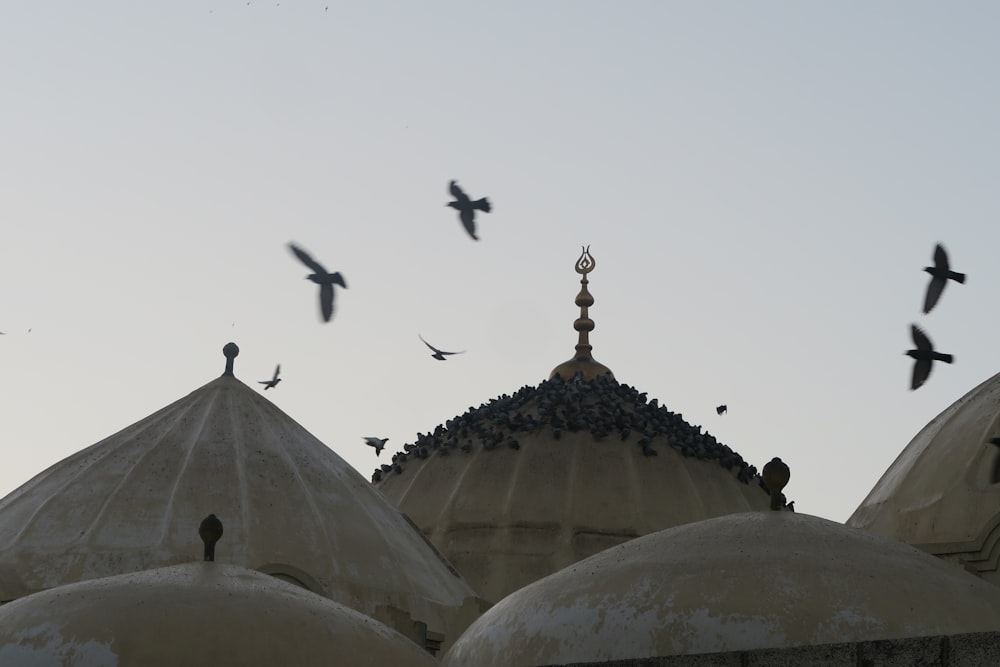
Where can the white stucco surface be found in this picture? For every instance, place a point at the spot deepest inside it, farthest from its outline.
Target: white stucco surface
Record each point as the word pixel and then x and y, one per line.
pixel 739 582
pixel 196 614
pixel 288 503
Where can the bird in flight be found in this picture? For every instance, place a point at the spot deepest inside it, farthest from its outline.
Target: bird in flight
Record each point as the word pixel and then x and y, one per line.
pixel 940 275
pixel 467 208
pixel 924 355
pixel 321 277
pixel 721 410
pixel 377 443
pixel 273 382
pixel 438 354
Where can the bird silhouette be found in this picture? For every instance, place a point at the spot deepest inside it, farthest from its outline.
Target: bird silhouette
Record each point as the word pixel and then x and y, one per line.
pixel 273 382
pixel 377 443
pixel 721 410
pixel 210 532
pixel 940 275
pixel 467 208
pixel 321 277
pixel 924 355
pixel 438 354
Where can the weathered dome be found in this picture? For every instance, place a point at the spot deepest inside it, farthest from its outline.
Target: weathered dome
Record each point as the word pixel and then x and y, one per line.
pixel 942 493
pixel 291 507
pixel 739 582
pixel 527 484
pixel 195 614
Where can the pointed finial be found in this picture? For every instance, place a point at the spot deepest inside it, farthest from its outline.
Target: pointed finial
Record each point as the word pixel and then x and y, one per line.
pixel 210 532
pixel 775 476
pixel 583 363
pixel 230 350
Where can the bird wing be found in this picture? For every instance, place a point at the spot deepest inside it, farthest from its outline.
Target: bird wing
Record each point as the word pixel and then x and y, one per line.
pixel 467 216
pixel 934 290
pixel 920 339
pixel 921 369
pixel 940 258
pixel 306 259
pixel 326 301
pixel 457 192
pixel 277 369
pixel 429 345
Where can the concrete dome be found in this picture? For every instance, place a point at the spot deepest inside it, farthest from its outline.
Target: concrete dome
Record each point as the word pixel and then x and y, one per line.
pixel 527 484
pixel 195 614
pixel 942 492
pixel 290 506
pixel 739 582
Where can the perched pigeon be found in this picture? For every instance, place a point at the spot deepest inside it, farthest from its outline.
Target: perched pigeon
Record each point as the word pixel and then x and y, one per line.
pixel 438 354
pixel 721 410
pixel 940 274
pixel 377 443
pixel 924 355
pixel 273 382
pixel 467 208
pixel 321 277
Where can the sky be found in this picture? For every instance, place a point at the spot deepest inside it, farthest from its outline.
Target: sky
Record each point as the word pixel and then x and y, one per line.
pixel 760 185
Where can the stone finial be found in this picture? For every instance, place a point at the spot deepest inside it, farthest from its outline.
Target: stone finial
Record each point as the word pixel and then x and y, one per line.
pixel 230 350
pixel 583 363
pixel 210 532
pixel 775 476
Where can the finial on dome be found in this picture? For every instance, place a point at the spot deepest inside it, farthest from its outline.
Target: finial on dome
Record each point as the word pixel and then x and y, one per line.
pixel 775 476
pixel 230 350
pixel 583 363
pixel 210 530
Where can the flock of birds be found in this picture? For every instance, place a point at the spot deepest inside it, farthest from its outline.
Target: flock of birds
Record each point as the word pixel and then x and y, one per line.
pixel 603 407
pixel 466 207
pixel 924 354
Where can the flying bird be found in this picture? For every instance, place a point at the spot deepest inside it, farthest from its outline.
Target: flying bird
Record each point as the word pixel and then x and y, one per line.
pixel 377 443
pixel 924 355
pixel 273 382
pixel 467 208
pixel 321 277
pixel 940 275
pixel 721 410
pixel 438 354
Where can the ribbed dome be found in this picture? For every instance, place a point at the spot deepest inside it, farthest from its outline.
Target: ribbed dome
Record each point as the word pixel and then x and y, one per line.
pixel 527 484
pixel 196 614
pixel 740 582
pixel 290 506
pixel 942 491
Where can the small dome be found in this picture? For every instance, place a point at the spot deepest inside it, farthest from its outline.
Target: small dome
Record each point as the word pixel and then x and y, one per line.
pixel 525 485
pixel 291 508
pixel 195 614
pixel 734 583
pixel 942 493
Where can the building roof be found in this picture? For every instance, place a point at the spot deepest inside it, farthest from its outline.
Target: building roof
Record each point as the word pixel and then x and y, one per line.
pixel 942 491
pixel 740 582
pixel 531 482
pixel 195 614
pixel 290 505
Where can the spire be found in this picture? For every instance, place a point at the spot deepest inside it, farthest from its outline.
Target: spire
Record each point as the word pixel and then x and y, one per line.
pixel 230 351
pixel 583 362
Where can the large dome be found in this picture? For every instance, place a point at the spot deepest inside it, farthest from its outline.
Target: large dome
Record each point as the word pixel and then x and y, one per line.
pixel 527 484
pixel 195 614
pixel 942 493
pixel 734 583
pixel 291 508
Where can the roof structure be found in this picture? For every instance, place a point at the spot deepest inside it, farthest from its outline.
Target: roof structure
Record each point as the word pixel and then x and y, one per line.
pixel 531 482
pixel 758 580
pixel 291 508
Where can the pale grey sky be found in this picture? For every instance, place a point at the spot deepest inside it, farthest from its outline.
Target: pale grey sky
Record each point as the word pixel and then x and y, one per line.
pixel 760 184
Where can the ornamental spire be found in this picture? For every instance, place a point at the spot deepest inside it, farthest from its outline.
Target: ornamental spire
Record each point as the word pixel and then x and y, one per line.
pixel 583 363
